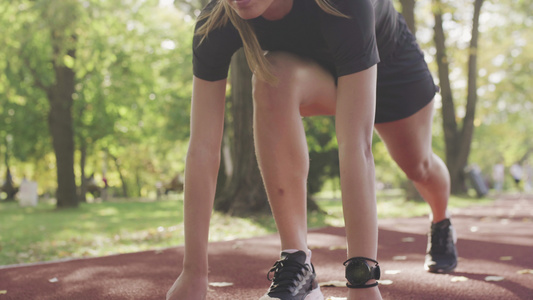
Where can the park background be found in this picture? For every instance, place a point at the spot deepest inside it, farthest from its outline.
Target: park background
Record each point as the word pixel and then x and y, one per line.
pixel 95 97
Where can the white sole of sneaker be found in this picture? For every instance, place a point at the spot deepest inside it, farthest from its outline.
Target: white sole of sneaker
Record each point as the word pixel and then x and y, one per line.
pixel 315 294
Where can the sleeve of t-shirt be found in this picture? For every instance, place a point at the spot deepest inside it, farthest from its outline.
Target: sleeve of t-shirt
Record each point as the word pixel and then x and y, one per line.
pixel 352 41
pixel 212 56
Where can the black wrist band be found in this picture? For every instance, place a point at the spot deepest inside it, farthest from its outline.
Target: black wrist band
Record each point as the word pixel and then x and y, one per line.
pixel 360 258
pixel 364 286
pixel 358 272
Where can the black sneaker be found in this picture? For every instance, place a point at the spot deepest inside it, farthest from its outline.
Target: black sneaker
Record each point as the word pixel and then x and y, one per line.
pixel 293 279
pixel 441 254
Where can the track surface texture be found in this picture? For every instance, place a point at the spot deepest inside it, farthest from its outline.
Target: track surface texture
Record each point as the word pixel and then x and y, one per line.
pixel 495 262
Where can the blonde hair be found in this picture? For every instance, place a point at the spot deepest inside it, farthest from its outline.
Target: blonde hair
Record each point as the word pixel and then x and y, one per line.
pixel 222 12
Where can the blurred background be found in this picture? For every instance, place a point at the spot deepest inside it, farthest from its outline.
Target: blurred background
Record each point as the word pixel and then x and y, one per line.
pixel 94 123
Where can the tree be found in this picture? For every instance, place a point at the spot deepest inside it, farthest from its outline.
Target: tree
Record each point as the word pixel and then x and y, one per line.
pixel 125 74
pixel 503 115
pixel 22 105
pixel 458 138
pixel 57 24
pixel 8 186
pixel 408 12
pixel 244 193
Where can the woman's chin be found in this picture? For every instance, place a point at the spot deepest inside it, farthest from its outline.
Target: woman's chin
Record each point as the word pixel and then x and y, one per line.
pixel 246 9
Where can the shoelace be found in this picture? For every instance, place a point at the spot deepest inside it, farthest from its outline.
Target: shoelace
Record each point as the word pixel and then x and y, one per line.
pixel 285 273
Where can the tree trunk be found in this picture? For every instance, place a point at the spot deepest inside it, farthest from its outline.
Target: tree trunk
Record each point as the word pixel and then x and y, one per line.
pixel 244 194
pixel 449 123
pixel 138 181
pixel 458 142
pixel 411 193
pixel 9 187
pixel 83 182
pixel 122 178
pixel 62 131
pixel 467 131
pixel 408 12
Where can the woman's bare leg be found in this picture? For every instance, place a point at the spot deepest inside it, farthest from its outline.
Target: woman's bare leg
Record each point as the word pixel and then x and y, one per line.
pixel 305 89
pixel 280 140
pixel 409 143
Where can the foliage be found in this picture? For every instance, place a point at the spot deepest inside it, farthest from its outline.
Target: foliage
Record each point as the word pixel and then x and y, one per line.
pixel 324 160
pixel 21 105
pixel 133 73
pixel 323 152
pixel 133 85
pixel 506 88
pixel 502 130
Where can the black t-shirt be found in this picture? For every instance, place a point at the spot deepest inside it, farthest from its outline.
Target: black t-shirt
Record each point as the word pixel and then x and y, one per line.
pixel 341 45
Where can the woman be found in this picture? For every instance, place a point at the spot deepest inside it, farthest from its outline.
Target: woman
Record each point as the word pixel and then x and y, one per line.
pixel 322 59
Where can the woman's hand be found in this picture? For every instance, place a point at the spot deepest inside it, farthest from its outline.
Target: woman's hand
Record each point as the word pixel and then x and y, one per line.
pixel 188 286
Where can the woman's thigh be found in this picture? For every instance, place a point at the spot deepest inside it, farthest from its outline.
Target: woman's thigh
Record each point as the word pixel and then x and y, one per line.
pixel 409 140
pixel 302 84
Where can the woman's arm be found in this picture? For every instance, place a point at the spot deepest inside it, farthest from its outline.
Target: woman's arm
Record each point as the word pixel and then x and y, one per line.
pixel 354 119
pixel 201 169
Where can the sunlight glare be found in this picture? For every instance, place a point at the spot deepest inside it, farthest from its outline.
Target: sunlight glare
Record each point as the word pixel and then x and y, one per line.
pixel 166 3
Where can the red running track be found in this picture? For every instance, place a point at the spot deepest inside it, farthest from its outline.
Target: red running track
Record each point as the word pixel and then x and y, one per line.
pixel 495 240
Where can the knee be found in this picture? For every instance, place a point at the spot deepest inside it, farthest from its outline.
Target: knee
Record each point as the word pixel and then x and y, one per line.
pixel 418 171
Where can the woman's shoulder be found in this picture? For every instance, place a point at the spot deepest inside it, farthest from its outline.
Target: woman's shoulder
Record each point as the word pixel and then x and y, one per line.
pixel 222 31
pixel 213 46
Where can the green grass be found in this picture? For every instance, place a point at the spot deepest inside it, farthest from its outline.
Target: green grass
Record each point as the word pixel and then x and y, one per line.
pixel 43 233
pixel 390 204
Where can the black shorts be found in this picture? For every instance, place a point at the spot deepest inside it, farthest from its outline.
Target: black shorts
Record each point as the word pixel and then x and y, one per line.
pixel 404 84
